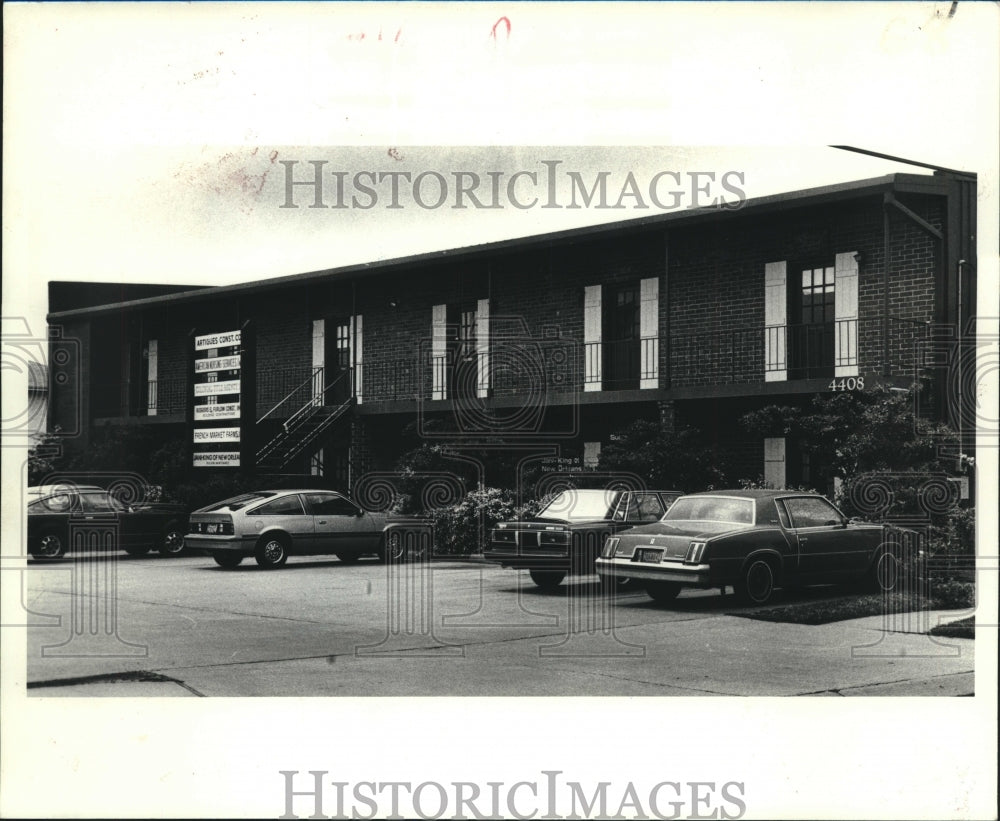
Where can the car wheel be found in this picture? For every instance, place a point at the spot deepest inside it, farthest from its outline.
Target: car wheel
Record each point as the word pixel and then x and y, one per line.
pixel 662 592
pixel 171 540
pixel 227 560
pixel 756 585
pixel 394 548
pixel 137 550
pixel 885 573
pixel 547 579
pixel 272 551
pixel 616 583
pixel 348 558
pixel 50 546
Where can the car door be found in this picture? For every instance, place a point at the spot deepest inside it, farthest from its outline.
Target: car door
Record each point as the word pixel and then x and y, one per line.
pixel 826 548
pixel 340 525
pixel 101 522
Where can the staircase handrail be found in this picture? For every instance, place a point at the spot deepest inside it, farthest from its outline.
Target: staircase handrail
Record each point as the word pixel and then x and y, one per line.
pixel 311 379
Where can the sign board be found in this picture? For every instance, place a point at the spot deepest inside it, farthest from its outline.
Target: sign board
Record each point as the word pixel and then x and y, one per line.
pixel 219 363
pixel 226 339
pixel 226 410
pixel 216 434
pixel 220 459
pixel 216 388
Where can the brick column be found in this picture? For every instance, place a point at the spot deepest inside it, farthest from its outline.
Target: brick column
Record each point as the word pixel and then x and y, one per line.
pixel 360 454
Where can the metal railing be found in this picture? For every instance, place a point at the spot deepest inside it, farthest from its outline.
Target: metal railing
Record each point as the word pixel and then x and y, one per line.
pixel 313 390
pixel 621 364
pixel 889 346
pixel 797 351
pixel 321 403
pixel 127 398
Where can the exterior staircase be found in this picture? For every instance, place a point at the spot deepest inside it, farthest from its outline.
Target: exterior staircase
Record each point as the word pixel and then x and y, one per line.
pixel 306 425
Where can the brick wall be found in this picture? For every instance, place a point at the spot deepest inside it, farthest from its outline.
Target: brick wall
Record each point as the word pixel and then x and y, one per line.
pixel 716 285
pixel 711 304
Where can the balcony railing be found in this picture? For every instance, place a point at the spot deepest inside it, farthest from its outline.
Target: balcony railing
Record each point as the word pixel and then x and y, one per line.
pixel 748 355
pixel 156 397
pixel 621 364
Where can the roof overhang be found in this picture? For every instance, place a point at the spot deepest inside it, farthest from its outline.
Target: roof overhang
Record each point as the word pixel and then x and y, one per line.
pixel 923 184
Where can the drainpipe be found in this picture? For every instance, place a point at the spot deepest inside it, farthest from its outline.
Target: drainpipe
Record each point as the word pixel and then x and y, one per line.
pixel 886 198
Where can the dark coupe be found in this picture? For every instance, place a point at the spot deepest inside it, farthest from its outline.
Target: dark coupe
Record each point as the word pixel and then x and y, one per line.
pixel 74 517
pixel 566 535
pixel 754 540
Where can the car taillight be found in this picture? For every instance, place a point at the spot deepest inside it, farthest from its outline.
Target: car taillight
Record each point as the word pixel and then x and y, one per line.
pixel 213 528
pixel 694 553
pixel 610 546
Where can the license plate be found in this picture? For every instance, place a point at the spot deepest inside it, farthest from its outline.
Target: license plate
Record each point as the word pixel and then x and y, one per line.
pixel 646 554
pixel 211 528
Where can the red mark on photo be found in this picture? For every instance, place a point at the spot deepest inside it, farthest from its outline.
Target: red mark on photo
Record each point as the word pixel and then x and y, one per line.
pixel 502 24
pixel 361 35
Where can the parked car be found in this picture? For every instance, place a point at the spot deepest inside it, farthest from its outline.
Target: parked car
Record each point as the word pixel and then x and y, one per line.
pixel 59 517
pixel 755 540
pixel 566 535
pixel 271 525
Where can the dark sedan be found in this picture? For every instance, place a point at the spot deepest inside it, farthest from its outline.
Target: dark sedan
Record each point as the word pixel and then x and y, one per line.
pixel 755 540
pixel 566 535
pixel 74 517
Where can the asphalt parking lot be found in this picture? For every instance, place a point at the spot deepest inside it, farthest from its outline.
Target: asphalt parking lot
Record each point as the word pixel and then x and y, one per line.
pixel 133 626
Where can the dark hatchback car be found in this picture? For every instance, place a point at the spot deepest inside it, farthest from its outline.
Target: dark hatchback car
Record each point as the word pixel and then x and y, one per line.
pixel 567 534
pixel 81 517
pixel 756 540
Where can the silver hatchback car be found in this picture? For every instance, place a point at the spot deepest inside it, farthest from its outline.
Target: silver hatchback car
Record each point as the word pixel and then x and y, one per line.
pixel 270 525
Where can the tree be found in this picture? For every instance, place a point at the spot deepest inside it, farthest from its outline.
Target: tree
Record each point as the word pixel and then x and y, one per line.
pixel 853 433
pixel 894 466
pixel 668 460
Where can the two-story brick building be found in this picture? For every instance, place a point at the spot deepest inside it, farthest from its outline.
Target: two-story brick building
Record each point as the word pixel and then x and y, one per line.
pixel 546 344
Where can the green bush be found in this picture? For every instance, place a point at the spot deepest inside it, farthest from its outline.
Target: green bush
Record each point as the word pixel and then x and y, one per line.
pixel 665 459
pixel 462 529
pixel 952 594
pixel 213 488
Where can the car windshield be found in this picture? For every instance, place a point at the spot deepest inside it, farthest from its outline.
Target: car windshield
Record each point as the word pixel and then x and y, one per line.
pixel 238 502
pixel 580 505
pixel 710 509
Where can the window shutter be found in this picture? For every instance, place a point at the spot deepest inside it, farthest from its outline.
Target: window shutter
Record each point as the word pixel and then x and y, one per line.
pixel 483 348
pixel 649 320
pixel 592 338
pixel 357 355
pixel 774 461
pixel 775 322
pixel 439 351
pixel 151 381
pixel 318 356
pixel 845 308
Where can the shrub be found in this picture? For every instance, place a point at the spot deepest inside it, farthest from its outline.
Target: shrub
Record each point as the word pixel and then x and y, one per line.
pixel 669 460
pixel 951 594
pixel 462 529
pixel 213 488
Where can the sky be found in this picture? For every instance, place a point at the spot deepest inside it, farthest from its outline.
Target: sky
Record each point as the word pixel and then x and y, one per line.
pixel 144 142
